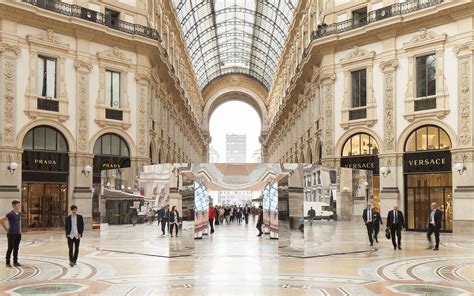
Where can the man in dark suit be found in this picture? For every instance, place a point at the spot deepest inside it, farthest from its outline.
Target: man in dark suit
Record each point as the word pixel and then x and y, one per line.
pixel 74 230
pixel 396 222
pixel 311 215
pixel 165 218
pixel 368 216
pixel 434 225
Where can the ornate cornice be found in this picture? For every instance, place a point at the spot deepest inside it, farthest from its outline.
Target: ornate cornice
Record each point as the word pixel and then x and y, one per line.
pixel 357 54
pixel 424 37
pixel 114 55
pixel 49 40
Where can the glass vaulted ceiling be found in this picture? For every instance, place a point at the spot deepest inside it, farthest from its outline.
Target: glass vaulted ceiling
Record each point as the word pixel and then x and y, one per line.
pixel 235 36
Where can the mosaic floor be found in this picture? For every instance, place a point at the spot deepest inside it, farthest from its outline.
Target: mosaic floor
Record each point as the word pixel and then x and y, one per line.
pixel 235 262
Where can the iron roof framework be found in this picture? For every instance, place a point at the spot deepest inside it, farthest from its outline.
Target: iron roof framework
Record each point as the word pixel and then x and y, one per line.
pixel 235 36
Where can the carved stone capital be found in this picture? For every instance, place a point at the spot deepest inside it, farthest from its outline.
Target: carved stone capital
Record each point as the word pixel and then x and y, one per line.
pixel 388 66
pixel 10 48
pixel 83 65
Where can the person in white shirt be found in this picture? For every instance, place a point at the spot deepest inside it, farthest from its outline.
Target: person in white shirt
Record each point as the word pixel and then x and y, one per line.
pixel 74 230
pixel 368 216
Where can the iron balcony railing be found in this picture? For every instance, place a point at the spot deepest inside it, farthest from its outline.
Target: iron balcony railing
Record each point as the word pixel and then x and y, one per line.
pixel 372 17
pixel 95 17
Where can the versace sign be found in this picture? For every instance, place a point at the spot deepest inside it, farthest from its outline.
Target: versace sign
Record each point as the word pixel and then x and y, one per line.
pixel 424 162
pixel 370 163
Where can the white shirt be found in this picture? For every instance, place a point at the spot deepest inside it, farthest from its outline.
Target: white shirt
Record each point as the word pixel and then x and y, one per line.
pixel 395 220
pixel 74 232
pixel 369 215
pixel 432 219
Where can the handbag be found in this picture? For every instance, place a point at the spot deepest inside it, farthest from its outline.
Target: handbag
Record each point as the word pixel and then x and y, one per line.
pixel 387 233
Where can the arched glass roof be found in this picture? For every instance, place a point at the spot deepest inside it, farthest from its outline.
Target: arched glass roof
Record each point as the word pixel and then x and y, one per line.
pixel 235 36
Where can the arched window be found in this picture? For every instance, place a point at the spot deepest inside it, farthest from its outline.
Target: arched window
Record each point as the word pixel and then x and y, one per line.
pixel 360 144
pixel 45 138
pixel 111 144
pixel 428 137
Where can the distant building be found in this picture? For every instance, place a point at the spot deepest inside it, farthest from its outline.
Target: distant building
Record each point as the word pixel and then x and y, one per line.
pixel 236 197
pixel 236 147
pixel 257 156
pixel 213 155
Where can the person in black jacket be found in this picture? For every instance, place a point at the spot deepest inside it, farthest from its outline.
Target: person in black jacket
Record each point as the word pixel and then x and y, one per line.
pixel 396 222
pixel 165 218
pixel 174 220
pixel 74 229
pixel 368 217
pixel 434 225
pixel 377 223
pixel 260 220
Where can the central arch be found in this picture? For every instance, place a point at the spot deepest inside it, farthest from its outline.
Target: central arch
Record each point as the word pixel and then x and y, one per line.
pixel 234 88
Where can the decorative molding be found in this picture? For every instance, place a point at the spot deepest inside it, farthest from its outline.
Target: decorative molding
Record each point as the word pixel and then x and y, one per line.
pixel 8 106
pixel 465 104
pixel 142 114
pixel 83 113
pixel 328 142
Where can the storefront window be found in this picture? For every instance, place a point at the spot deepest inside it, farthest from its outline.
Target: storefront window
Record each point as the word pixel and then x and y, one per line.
pixel 360 144
pixel 427 138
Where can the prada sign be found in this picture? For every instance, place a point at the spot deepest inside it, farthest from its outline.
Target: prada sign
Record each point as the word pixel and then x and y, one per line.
pixel 370 163
pixel 423 162
pixel 45 161
pixel 109 162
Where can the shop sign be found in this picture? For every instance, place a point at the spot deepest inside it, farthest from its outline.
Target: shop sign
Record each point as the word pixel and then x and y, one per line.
pixel 370 163
pixel 423 162
pixel 45 161
pixel 109 163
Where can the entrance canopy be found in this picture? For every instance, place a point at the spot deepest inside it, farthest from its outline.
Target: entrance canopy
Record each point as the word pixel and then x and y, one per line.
pixel 235 36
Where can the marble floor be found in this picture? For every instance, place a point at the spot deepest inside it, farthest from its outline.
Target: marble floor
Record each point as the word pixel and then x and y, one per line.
pixel 233 261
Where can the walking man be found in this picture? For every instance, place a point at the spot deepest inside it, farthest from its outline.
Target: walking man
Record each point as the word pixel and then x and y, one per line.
pixel 368 216
pixel 436 216
pixel 396 222
pixel 13 232
pixel 74 230
pixel 311 214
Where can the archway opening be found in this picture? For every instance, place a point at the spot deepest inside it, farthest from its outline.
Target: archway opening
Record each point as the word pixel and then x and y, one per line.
pixel 235 128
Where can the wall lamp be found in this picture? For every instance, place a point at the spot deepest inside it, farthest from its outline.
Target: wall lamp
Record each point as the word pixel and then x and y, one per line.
pixel 12 166
pixel 461 167
pixel 86 170
pixel 385 171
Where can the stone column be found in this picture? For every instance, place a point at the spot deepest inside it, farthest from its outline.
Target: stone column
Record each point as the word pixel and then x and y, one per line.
pixel 327 88
pixel 389 193
pixel 10 182
pixel 463 184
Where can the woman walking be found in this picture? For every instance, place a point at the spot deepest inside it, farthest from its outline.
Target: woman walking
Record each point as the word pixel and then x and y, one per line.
pixel 377 223
pixel 174 220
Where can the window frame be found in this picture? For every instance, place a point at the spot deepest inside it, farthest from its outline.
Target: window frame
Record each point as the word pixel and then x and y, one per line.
pixel 414 133
pixel 110 103
pixel 416 58
pixel 359 88
pixel 45 59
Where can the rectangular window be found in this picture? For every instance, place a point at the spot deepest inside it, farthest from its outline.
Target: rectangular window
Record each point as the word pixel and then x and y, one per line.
pixel 112 89
pixel 426 76
pixel 359 88
pixel 46 77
